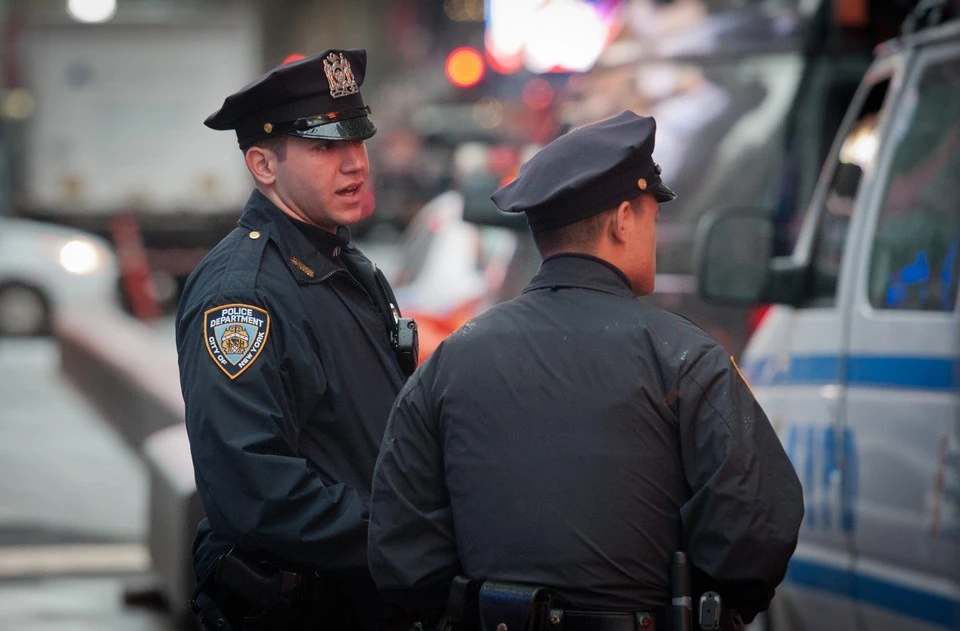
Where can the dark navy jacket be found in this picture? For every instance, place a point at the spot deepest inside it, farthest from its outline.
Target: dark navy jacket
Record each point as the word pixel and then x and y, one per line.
pixel 573 438
pixel 288 376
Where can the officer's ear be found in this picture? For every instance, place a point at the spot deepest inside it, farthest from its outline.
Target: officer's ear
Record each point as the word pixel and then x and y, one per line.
pixel 262 164
pixel 621 225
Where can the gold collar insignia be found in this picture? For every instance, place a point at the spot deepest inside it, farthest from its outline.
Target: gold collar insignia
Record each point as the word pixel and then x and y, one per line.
pixel 303 268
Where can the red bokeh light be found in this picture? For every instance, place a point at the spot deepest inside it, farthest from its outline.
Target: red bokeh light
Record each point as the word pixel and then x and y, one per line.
pixel 538 93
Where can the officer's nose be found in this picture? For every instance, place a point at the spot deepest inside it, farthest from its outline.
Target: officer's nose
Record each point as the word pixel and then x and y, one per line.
pixel 354 157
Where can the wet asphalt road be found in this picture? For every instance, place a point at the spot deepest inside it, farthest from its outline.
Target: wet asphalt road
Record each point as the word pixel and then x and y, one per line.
pixel 73 502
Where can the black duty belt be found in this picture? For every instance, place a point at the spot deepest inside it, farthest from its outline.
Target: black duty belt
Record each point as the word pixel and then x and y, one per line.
pixel 603 620
pixel 517 607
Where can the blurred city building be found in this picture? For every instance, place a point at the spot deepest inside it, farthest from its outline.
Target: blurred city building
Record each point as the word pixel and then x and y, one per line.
pixel 102 105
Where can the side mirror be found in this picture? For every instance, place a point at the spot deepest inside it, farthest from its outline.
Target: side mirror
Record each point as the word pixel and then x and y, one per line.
pixel 734 246
pixel 479 209
pixel 735 264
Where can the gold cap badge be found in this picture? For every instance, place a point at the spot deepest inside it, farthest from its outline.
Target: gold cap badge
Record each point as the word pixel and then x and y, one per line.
pixel 339 75
pixel 268 127
pixel 642 183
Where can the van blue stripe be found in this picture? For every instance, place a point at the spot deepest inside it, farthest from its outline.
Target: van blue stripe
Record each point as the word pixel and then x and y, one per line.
pixel 912 373
pixel 904 600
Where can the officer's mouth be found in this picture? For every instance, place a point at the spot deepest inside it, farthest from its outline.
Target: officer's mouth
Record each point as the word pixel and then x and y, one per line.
pixel 350 193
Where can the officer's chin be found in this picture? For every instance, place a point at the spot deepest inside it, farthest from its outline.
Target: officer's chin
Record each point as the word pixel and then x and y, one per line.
pixel 349 214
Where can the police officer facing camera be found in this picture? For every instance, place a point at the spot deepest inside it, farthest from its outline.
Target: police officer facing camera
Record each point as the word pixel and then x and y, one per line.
pixel 291 351
pixel 574 438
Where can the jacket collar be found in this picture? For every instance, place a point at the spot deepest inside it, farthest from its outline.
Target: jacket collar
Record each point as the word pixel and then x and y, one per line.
pixel 302 247
pixel 582 271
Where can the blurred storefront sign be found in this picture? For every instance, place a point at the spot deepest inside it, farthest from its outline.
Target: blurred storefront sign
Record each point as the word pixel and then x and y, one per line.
pixel 551 36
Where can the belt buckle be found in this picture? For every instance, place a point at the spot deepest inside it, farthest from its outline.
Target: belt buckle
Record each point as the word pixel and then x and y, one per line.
pixel 644 620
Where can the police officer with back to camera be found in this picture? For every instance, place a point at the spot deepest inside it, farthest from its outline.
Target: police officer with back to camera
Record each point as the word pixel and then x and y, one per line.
pixel 291 352
pixel 572 441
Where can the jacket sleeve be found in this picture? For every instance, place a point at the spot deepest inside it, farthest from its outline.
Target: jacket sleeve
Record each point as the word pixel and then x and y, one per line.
pixel 257 490
pixel 412 546
pixel 741 523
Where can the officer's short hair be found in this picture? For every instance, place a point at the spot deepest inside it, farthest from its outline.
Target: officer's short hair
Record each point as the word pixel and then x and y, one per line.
pixel 277 144
pixel 580 236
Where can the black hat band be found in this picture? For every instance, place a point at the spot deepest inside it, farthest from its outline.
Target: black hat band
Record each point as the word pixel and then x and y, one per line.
pixel 253 132
pixel 302 124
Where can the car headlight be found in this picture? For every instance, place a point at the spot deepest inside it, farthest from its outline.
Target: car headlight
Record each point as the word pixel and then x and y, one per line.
pixel 80 257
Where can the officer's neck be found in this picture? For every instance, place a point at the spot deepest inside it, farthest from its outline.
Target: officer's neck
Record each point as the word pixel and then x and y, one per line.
pixel 620 256
pixel 291 211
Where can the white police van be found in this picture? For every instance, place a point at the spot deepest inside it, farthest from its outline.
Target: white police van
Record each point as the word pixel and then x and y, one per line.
pixel 857 363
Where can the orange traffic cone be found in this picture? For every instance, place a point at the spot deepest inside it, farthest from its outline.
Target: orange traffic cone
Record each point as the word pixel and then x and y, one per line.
pixel 135 276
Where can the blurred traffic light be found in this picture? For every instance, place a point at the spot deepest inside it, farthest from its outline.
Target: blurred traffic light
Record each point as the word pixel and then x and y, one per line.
pixel 465 67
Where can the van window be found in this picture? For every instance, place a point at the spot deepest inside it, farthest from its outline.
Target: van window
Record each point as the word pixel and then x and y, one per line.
pixel 720 131
pixel 915 260
pixel 856 153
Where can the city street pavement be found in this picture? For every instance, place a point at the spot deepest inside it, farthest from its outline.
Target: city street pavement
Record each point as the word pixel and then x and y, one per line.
pixel 74 500
pixel 73 505
pixel 65 476
pixel 75 604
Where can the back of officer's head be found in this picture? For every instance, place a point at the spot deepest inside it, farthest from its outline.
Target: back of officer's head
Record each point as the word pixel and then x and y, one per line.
pixel 586 236
pixel 595 190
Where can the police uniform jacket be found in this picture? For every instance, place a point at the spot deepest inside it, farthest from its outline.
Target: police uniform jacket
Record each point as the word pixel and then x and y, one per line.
pixel 573 438
pixel 284 431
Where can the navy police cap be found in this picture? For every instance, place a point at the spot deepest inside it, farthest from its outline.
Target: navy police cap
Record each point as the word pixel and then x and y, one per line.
pixel 585 172
pixel 316 97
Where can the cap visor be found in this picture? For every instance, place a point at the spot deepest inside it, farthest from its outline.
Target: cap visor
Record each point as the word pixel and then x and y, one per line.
pixel 661 191
pixel 359 128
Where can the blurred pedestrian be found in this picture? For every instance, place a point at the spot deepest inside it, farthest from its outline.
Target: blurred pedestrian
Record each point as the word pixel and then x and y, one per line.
pixel 575 437
pixel 291 354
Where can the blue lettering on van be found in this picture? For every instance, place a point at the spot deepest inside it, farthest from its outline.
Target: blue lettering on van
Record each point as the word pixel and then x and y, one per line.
pixel 850 483
pixel 829 472
pixel 822 466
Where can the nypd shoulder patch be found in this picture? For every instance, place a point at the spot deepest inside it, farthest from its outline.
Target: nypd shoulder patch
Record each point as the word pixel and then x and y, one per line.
pixel 235 335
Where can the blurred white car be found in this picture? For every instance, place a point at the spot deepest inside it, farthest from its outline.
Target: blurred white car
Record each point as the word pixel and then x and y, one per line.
pixel 444 259
pixel 45 267
pixel 448 268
